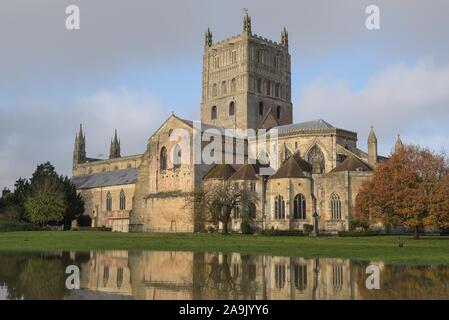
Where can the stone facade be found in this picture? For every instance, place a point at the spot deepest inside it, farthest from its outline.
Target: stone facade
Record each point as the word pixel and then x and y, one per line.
pixel 213 276
pixel 246 85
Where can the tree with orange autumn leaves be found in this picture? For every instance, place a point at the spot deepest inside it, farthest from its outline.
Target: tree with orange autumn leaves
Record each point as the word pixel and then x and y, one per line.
pixel 411 189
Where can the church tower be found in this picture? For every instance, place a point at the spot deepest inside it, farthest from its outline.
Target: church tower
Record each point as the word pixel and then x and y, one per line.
pixel 246 78
pixel 114 150
pixel 79 150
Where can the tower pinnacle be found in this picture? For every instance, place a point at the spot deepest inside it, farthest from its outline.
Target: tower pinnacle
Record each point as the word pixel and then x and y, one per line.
pixel 284 37
pixel 208 38
pixel 114 150
pixel 79 150
pixel 372 147
pixel 398 145
pixel 246 22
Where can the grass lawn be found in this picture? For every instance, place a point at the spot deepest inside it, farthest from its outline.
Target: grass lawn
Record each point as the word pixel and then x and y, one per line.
pixel 429 250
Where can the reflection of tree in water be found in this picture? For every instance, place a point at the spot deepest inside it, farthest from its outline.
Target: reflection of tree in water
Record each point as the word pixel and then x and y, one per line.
pixel 42 279
pixel 221 283
pixel 34 275
pixel 406 282
pixel 220 280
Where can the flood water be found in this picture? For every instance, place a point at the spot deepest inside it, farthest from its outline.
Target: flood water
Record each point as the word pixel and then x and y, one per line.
pixel 156 275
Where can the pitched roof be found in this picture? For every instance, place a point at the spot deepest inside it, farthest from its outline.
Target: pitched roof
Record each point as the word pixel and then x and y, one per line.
pixel 105 179
pixel 293 167
pixel 269 117
pixel 352 163
pixel 319 124
pixel 220 171
pixel 245 172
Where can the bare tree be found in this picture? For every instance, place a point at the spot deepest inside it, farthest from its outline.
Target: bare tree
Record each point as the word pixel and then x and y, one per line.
pixel 214 202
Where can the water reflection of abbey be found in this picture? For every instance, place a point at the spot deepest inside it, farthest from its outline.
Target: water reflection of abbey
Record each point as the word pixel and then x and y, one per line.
pixel 186 275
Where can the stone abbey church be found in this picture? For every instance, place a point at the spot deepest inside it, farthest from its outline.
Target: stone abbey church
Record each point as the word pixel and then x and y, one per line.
pixel 247 85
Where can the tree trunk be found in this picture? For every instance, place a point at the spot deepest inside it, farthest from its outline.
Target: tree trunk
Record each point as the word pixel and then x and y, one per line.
pixel 225 227
pixel 227 214
pixel 416 233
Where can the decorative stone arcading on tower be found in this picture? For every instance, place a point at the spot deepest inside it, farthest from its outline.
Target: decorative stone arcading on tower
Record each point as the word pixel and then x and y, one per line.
pixel 79 150
pixel 244 77
pixel 114 150
pixel 372 148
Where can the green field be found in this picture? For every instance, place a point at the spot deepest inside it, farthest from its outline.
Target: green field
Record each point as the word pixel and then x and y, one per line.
pixel 430 250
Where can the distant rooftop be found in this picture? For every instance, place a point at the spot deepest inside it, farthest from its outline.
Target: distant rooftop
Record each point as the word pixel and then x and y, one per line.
pixel 105 179
pixel 319 124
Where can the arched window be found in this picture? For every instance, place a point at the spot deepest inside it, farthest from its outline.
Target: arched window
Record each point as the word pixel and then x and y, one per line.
pixel 163 159
pixel 279 275
pixel 237 212
pixel 299 207
pixel 232 108
pixel 108 202
pixel 261 109
pixel 233 56
pixel 233 85
pixel 214 90
pixel 213 113
pixel 278 112
pixel 224 88
pixel 122 200
pixel 337 277
pixel 268 88
pixel 316 159
pixel 105 276
pixel 335 207
pixel 259 85
pixel 279 207
pixel 119 277
pixel 177 156
pixel 300 277
pixel 260 56
pixel 252 210
pixel 216 62
pixel 277 90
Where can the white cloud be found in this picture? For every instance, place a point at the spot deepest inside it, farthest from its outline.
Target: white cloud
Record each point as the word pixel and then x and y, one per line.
pixel 411 100
pixel 40 131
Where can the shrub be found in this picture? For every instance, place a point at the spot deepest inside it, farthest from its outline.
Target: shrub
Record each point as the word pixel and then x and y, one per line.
pixel 11 225
pixel 282 232
pixel 84 221
pixel 92 229
pixel 359 233
pixel 307 228
pixel 356 224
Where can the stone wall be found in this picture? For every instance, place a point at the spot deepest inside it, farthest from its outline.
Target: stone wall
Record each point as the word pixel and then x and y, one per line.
pixel 95 206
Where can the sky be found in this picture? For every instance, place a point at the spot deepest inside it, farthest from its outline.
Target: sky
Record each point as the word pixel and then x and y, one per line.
pixel 134 62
